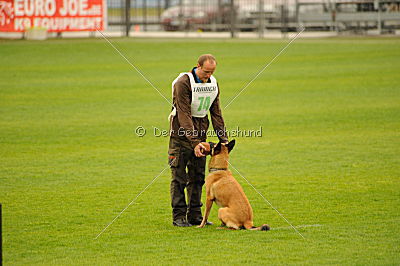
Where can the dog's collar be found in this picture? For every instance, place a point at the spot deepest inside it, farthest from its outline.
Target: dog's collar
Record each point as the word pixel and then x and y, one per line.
pixel 217 169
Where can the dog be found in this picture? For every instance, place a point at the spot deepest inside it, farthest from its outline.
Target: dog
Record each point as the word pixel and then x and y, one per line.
pixel 235 210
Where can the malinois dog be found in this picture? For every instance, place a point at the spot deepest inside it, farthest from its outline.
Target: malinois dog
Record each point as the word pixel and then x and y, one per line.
pixel 235 210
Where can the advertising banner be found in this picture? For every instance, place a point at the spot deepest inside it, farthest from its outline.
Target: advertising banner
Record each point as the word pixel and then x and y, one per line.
pixel 53 15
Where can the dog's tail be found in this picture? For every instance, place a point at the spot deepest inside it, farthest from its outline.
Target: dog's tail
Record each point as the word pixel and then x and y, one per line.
pixel 264 227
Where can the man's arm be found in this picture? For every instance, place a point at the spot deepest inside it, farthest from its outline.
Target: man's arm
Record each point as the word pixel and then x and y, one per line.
pixel 183 109
pixel 217 120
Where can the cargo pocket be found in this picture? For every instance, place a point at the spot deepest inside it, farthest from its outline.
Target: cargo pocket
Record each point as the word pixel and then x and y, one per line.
pixel 173 157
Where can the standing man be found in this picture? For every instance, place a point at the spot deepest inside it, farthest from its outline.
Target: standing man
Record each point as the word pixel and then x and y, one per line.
pixel 194 93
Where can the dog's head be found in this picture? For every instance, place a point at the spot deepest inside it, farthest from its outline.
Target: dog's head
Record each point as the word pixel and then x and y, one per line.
pixel 220 154
pixel 222 148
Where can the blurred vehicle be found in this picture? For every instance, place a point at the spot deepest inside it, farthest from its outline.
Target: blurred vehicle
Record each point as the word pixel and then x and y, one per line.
pixel 194 15
pixel 214 15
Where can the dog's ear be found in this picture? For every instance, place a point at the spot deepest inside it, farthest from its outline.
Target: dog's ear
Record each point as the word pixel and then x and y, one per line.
pixel 230 145
pixel 217 149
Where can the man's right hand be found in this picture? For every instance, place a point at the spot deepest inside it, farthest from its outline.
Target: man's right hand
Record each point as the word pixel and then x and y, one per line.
pixel 198 150
pixel 202 149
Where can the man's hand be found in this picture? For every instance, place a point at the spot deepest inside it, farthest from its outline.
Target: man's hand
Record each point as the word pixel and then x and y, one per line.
pixel 198 150
pixel 202 149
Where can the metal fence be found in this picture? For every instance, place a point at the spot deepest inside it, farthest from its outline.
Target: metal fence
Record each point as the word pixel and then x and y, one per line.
pixel 254 15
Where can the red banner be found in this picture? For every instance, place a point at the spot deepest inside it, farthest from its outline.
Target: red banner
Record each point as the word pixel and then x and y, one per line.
pixel 54 15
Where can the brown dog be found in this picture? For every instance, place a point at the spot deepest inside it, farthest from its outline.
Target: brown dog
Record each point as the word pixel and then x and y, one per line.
pixel 235 210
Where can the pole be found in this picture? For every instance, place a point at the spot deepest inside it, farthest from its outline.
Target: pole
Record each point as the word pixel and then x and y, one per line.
pixel 159 11
pixel 261 18
pixel 180 15
pixel 284 22
pixel 297 15
pixel 127 17
pixel 378 6
pixel 233 18
pixel 144 15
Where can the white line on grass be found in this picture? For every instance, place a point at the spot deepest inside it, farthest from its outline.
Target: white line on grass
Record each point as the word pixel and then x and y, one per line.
pixel 152 181
pixel 137 69
pixel 267 65
pixel 266 200
pixel 298 226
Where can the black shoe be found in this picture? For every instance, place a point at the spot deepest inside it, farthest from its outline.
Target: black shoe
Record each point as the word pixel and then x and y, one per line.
pixel 181 223
pixel 198 221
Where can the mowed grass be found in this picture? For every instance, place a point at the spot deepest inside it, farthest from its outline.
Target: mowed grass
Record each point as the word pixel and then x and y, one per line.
pixel 328 158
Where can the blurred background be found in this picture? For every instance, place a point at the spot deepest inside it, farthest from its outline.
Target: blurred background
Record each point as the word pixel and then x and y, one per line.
pixel 256 16
pixel 200 18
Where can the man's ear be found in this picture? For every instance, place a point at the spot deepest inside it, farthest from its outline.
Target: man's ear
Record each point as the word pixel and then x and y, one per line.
pixel 217 149
pixel 230 145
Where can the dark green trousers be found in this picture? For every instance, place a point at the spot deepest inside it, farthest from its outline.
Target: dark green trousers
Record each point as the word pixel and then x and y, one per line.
pixel 187 173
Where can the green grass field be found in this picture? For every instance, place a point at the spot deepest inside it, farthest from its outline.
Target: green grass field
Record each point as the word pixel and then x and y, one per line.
pixel 328 156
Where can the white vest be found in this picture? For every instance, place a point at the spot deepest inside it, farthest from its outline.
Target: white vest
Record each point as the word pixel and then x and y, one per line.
pixel 203 95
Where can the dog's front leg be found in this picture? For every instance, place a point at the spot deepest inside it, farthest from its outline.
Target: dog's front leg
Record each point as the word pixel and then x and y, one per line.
pixel 209 203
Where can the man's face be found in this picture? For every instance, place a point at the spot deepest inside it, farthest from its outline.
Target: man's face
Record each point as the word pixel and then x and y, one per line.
pixel 204 72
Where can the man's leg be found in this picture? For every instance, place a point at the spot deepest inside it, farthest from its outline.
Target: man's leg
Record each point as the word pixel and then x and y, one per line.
pixel 178 161
pixel 196 171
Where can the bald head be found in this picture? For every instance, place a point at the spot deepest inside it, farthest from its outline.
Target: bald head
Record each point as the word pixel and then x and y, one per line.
pixel 206 57
pixel 206 65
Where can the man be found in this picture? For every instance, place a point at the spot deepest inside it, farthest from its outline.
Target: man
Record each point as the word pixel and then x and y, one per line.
pixel 194 93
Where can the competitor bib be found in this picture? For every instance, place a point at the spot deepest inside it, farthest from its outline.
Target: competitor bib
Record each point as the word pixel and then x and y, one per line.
pixel 203 95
